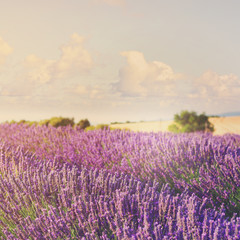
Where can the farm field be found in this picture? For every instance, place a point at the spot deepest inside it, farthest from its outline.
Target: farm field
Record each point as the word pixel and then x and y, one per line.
pixel 222 125
pixel 64 183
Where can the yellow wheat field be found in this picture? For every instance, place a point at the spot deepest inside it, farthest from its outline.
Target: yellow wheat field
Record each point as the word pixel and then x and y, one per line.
pixel 222 125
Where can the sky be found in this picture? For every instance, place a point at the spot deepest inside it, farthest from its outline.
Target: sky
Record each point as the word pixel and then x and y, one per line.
pixel 118 60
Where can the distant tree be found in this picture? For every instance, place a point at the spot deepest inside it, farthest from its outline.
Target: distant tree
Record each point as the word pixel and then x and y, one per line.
pixel 116 123
pixel 84 123
pixel 60 121
pixel 11 122
pixel 190 122
pixel 44 122
pixel 29 123
pixel 97 127
pixel 57 122
pixel 102 126
pixel 22 121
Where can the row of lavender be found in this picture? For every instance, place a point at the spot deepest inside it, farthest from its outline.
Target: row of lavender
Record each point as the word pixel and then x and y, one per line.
pixel 128 198
pixel 40 200
pixel 207 165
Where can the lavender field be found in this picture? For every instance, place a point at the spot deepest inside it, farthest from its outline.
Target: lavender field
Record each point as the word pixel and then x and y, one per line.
pixel 64 183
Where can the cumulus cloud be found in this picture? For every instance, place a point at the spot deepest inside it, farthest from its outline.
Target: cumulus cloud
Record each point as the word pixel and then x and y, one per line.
pixel 74 60
pixel 112 2
pixel 39 70
pixel 19 89
pixel 142 78
pixel 92 92
pixel 5 50
pixel 211 84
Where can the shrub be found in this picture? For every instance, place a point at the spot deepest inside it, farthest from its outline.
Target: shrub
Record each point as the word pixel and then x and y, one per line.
pixel 84 123
pixel 57 122
pixel 44 122
pixel 99 126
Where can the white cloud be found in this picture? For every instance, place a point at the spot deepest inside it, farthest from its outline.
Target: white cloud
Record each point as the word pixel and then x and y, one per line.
pixel 16 88
pixel 5 50
pixel 74 60
pixel 92 92
pixel 81 90
pixel 142 78
pixel 112 2
pixel 39 70
pixel 211 84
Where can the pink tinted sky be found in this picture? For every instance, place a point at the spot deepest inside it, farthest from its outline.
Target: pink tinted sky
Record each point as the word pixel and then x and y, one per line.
pixel 118 60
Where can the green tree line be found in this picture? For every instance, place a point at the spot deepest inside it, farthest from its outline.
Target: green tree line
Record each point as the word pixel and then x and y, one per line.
pixel 57 122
